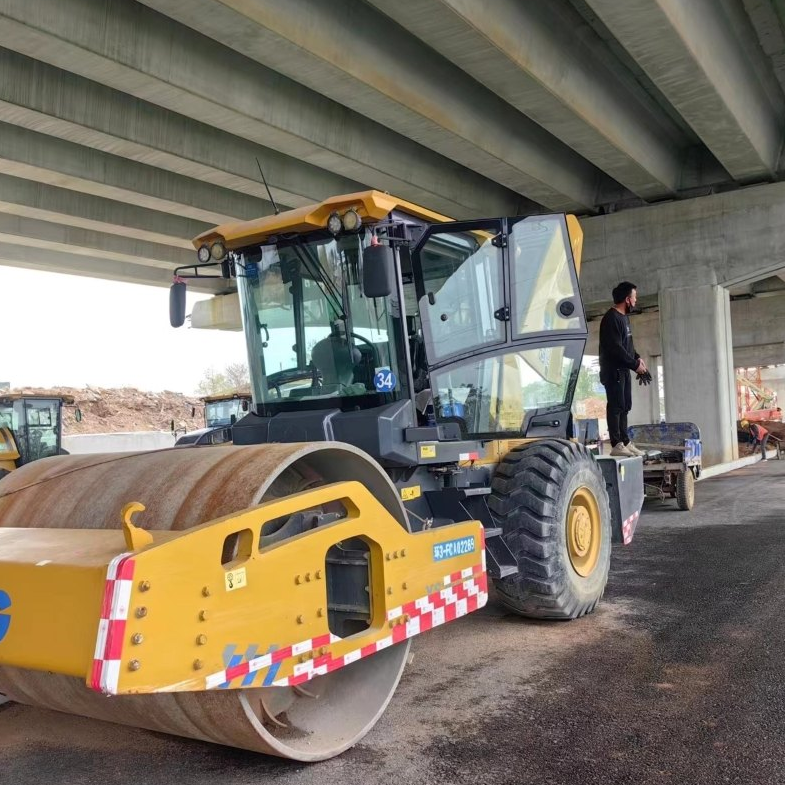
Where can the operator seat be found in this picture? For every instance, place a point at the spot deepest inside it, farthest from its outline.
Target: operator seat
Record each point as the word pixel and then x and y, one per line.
pixel 335 359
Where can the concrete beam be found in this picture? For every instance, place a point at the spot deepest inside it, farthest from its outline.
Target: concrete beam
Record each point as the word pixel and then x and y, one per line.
pixel 385 73
pixel 54 261
pixel 693 52
pixel 29 199
pixel 726 239
pixel 35 233
pixel 42 98
pixel 135 50
pixel 756 329
pixel 759 356
pixel 542 59
pixel 768 18
pixel 45 159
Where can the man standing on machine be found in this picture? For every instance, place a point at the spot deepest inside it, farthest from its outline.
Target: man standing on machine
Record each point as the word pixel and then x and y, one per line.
pixel 617 358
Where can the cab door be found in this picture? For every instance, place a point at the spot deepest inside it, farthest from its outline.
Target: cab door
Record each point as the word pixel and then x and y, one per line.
pixel 502 322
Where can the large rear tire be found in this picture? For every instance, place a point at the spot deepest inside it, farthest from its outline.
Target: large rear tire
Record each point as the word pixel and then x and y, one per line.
pixel 550 500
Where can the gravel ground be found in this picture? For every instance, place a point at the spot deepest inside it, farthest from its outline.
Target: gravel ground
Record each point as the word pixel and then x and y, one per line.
pixel 677 678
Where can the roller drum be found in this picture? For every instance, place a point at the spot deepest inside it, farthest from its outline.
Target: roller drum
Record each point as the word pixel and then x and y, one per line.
pixel 186 487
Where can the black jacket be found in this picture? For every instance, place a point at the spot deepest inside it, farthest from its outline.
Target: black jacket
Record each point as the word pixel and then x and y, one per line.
pixel 617 351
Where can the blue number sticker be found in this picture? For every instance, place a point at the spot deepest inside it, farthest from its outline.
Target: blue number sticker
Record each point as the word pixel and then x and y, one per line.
pixel 453 548
pixel 5 618
pixel 384 380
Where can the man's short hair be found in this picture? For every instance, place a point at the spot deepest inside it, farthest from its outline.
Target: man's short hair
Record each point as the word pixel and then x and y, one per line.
pixel 622 292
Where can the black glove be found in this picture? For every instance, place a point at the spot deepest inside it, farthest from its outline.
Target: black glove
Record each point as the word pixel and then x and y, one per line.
pixel 644 378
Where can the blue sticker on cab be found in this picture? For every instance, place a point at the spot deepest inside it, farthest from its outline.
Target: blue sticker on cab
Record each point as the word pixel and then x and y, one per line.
pixel 384 380
pixel 453 548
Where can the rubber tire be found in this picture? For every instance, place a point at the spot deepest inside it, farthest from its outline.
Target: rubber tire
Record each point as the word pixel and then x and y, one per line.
pixel 685 490
pixel 530 494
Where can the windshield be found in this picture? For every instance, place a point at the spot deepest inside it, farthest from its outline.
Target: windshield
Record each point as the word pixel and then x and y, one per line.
pixel 310 331
pixel 217 413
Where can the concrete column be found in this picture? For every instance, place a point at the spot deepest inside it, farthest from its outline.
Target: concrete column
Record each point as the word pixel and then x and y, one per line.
pixel 645 398
pixel 697 359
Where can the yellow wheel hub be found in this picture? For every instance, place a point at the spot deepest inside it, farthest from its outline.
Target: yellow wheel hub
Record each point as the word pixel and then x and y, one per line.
pixel 584 532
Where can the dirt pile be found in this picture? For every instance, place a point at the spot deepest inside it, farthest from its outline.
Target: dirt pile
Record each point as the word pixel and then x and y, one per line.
pixel 124 410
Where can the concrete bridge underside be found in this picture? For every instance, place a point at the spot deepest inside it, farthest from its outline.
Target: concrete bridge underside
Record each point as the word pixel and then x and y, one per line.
pixel 127 127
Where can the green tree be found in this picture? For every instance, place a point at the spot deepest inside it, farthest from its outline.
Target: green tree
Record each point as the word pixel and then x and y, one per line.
pixel 238 377
pixel 233 378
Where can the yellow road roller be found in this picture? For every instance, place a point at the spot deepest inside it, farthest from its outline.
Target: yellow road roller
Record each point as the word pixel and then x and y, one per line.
pixel 408 438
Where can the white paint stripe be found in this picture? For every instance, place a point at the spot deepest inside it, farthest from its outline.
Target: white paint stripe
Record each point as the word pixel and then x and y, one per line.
pixel 111 573
pixel 110 676
pixel 302 647
pixel 394 613
pixel 121 600
pixel 303 667
pixel 384 643
pixel 257 663
pixel 100 641
pixel 352 656
pixel 215 680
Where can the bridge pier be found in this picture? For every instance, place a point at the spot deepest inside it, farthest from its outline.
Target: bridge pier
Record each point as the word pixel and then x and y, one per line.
pixel 697 359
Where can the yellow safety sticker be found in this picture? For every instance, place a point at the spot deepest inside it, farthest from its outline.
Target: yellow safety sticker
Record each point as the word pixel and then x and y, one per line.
pixel 427 451
pixel 407 494
pixel 235 579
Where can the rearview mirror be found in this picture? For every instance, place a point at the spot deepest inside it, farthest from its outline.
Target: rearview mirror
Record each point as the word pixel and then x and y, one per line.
pixel 378 271
pixel 78 415
pixel 177 304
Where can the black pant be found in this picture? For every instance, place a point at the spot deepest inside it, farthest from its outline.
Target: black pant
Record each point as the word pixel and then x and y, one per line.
pixel 763 444
pixel 618 389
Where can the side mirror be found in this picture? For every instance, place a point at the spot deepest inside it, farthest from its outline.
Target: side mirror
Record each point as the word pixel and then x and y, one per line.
pixel 78 414
pixel 233 419
pixel 193 411
pixel 244 404
pixel 177 304
pixel 378 271
pixel 171 426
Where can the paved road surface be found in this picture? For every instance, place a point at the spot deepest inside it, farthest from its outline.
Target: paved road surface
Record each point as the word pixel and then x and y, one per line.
pixel 678 678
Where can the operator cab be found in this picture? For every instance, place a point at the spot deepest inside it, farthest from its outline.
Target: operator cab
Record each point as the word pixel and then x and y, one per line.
pixel 474 329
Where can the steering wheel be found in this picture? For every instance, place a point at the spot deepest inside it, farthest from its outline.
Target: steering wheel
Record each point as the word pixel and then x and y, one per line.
pixel 374 349
pixel 275 380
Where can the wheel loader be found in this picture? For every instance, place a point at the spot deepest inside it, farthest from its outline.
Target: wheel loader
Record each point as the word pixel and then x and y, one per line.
pixel 409 437
pixel 221 411
pixel 31 428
